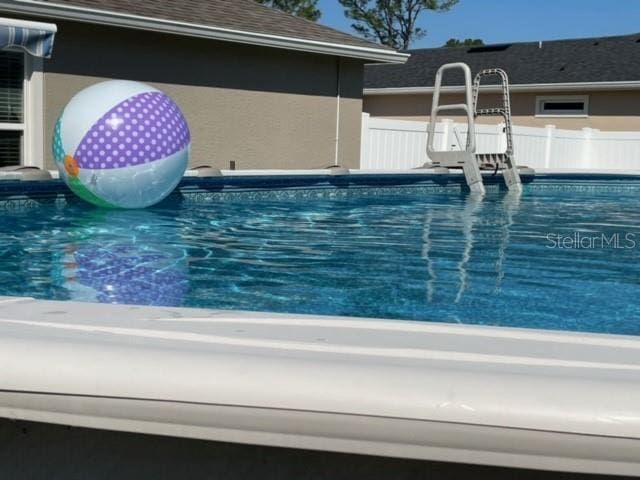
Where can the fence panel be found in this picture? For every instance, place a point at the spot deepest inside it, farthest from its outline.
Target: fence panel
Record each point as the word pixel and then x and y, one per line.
pixel 616 150
pixel 400 144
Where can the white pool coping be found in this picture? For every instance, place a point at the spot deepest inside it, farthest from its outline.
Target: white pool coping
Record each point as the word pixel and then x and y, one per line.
pixel 416 171
pixel 472 394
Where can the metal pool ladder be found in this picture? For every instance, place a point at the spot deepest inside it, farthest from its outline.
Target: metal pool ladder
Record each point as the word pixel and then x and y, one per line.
pixel 467 158
pixel 504 160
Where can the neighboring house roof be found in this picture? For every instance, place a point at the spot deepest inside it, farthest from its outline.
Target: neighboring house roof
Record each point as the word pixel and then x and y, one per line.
pixel 243 21
pixel 606 61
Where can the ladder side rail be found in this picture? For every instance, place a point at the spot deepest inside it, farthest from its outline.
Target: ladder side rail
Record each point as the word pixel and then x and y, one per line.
pixel 506 100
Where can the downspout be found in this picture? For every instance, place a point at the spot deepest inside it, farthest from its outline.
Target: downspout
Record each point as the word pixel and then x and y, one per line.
pixel 337 147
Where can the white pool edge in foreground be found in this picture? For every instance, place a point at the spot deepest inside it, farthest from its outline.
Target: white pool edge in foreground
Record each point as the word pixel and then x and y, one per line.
pixel 470 394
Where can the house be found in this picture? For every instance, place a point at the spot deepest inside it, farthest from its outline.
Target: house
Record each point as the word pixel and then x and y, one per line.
pixel 573 84
pixel 259 88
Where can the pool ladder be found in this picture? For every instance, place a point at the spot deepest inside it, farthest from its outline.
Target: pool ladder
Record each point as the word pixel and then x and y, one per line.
pixel 467 158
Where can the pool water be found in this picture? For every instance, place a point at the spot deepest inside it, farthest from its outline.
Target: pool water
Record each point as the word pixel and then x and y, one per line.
pixel 552 259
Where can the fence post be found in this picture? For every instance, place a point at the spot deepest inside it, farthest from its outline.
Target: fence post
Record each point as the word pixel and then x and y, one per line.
pixel 502 137
pixel 447 130
pixel 364 139
pixel 549 130
pixel 587 147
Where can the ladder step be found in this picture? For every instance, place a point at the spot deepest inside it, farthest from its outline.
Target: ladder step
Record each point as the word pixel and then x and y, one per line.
pixel 491 160
pixel 490 111
pixel 452 107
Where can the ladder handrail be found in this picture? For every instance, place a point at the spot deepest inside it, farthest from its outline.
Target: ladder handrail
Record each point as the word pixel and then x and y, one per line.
pixel 488 72
pixel 509 167
pixel 504 111
pixel 467 107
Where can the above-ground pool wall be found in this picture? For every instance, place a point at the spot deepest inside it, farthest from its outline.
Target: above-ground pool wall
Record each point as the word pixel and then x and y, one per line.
pixel 259 107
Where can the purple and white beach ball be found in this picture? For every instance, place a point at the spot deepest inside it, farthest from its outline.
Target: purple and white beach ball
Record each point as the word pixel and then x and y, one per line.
pixel 121 144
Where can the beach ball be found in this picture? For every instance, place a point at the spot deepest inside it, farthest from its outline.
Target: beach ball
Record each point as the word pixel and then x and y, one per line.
pixel 121 144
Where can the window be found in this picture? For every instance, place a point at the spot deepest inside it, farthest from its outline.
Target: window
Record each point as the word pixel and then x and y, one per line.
pixel 12 126
pixel 562 106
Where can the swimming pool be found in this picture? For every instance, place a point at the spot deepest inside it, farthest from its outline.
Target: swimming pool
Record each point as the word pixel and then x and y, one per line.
pixel 563 256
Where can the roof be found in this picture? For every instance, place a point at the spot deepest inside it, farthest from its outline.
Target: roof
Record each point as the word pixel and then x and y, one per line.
pixel 244 21
pixel 605 59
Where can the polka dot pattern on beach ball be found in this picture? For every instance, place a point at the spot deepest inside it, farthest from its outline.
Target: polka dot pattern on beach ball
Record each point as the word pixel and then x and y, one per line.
pixel 121 144
pixel 145 128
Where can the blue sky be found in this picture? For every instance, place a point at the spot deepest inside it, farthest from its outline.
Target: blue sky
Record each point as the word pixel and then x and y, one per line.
pixel 497 21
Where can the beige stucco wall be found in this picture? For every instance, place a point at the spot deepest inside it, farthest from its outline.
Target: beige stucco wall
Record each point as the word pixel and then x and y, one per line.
pixel 259 107
pixel 617 111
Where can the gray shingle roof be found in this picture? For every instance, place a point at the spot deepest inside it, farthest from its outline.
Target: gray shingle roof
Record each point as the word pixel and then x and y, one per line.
pixel 244 15
pixel 606 59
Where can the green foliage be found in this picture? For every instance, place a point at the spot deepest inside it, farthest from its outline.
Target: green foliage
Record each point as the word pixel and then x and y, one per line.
pixel 467 42
pixel 301 8
pixel 391 22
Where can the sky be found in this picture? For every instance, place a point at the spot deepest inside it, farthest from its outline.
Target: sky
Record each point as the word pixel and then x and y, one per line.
pixel 501 21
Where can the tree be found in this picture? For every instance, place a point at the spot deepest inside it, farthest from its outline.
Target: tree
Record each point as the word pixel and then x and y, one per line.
pixel 467 42
pixel 391 22
pixel 301 8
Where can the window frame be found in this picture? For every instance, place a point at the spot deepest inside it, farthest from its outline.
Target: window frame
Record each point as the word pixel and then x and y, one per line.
pixel 541 112
pixel 32 126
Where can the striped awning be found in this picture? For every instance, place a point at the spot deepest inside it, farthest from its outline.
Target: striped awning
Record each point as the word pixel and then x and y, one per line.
pixel 35 38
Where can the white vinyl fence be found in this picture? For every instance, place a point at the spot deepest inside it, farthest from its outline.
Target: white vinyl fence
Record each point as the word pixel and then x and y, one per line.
pixel 398 144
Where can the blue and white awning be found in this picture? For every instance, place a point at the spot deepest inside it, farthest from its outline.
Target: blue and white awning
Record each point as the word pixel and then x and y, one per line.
pixel 35 38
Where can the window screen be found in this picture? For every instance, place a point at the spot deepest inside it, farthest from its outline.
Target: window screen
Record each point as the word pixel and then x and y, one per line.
pixel 10 147
pixel 558 106
pixel 564 106
pixel 11 80
pixel 11 107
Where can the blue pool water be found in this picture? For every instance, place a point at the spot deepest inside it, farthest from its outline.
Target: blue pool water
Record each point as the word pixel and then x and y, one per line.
pixel 442 257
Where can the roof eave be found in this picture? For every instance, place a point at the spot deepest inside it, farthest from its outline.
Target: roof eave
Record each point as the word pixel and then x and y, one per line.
pixel 89 15
pixel 529 87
